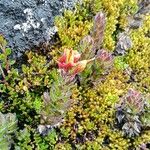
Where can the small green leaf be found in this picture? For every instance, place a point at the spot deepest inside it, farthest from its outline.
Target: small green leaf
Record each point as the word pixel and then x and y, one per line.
pixel 2 57
pixel 8 51
pixel 119 63
pixel 12 62
pixel 3 42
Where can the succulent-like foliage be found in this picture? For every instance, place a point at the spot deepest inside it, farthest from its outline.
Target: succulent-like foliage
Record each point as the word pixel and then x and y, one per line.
pixel 73 26
pixel 105 58
pixel 69 102
pixel 57 100
pixel 93 42
pixel 8 127
pixel 75 23
pixel 40 142
pixel 24 140
pixel 23 90
pixel 130 111
pixel 98 30
pixel 143 140
pixel 91 47
pixel 146 115
pixel 138 55
pixel 102 64
pixel 120 63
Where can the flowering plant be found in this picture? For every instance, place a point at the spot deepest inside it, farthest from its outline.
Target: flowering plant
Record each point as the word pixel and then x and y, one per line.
pixel 72 62
pixel 130 112
pixel 69 62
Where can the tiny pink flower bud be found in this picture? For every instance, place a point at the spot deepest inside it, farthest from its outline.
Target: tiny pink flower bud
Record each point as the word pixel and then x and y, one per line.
pixel 104 56
pixel 135 99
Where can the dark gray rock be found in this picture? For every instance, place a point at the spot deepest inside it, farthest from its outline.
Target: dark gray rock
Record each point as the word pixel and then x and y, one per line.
pixel 26 23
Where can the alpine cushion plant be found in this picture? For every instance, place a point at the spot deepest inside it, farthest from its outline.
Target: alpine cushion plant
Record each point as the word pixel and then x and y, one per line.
pixel 105 58
pixel 73 105
pixel 90 44
pixel 8 127
pixel 130 112
pixel 72 62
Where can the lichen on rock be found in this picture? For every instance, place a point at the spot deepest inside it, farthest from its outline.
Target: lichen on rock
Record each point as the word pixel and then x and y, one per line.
pixel 27 23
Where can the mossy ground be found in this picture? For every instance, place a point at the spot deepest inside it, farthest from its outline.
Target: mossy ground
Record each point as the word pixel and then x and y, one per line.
pixel 90 122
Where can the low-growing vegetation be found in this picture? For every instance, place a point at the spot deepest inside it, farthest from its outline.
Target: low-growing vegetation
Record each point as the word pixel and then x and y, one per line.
pixel 91 91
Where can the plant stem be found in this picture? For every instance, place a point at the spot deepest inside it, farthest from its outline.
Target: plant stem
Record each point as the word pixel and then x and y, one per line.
pixel 2 71
pixel 91 59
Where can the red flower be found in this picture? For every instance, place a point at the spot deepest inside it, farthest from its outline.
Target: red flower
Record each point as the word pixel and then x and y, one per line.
pixel 69 62
pixel 68 59
pixel 80 66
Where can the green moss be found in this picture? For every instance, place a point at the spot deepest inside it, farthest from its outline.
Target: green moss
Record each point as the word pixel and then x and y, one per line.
pixel 138 56
pixel 89 118
pixel 91 121
pixel 73 25
pixel 143 139
pixel 38 95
